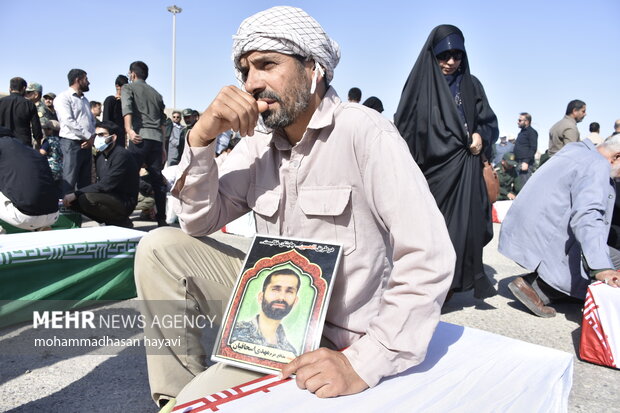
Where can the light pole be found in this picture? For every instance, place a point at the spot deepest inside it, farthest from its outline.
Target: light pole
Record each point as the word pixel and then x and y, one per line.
pixel 174 10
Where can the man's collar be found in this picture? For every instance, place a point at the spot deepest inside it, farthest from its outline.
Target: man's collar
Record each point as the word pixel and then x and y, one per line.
pixel 75 91
pixel 324 115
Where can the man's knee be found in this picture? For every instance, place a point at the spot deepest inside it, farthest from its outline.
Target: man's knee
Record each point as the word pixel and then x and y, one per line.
pixel 87 201
pixel 161 239
pixel 156 262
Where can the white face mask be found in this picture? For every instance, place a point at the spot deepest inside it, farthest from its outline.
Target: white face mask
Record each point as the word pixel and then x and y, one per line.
pixel 101 144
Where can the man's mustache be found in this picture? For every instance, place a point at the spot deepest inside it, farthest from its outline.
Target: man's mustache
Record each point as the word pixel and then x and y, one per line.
pixel 267 94
pixel 282 302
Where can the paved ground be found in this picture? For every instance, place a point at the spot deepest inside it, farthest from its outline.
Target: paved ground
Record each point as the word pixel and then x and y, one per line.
pixel 118 382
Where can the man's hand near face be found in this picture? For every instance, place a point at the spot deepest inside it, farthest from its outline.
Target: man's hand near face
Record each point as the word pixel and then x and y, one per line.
pixel 326 373
pixel 232 109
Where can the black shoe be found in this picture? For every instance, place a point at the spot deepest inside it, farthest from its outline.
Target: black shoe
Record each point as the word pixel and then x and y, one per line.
pixel 162 223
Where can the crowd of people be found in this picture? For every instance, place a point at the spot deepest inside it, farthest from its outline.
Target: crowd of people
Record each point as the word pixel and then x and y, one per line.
pixel 407 199
pixel 102 157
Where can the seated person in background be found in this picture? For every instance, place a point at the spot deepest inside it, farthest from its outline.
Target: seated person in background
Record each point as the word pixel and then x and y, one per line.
pixel 50 148
pixel 507 175
pixel 558 226
pixel 28 198
pixel 146 197
pixel 111 199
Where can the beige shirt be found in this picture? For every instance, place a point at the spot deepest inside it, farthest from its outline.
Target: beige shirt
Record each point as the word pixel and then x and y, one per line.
pixel 350 180
pixel 563 132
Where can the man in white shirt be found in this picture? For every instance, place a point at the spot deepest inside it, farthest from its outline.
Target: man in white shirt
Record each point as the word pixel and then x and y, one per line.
pixel 594 135
pixel 77 131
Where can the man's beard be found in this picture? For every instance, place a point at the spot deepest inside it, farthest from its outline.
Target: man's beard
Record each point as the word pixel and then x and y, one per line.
pixel 275 313
pixel 615 171
pixel 295 102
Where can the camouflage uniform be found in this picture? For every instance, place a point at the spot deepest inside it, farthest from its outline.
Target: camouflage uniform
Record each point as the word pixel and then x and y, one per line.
pixel 507 177
pixel 45 112
pixel 248 332
pixel 51 146
pixel 54 157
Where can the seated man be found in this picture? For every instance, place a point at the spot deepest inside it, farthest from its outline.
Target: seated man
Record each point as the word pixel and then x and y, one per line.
pixel 28 197
pixel 507 175
pixel 318 172
pixel 558 226
pixel 111 199
pixel 146 197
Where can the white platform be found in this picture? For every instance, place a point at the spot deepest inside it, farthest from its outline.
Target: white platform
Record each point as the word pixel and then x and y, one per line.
pixel 466 370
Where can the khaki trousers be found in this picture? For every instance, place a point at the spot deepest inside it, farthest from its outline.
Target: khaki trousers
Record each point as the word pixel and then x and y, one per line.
pixel 179 275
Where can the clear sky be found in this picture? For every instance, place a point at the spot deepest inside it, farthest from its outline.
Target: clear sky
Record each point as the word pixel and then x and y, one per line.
pixel 532 56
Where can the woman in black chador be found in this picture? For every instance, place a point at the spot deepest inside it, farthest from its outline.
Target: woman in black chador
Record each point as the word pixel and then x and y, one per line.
pixel 448 124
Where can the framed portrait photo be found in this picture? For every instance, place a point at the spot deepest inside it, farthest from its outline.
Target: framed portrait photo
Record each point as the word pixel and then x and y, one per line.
pixel 278 305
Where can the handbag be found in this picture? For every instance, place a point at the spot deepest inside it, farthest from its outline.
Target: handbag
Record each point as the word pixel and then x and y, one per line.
pixel 490 179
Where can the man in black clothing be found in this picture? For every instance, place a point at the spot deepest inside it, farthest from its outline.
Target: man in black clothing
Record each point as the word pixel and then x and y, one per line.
pixel 525 149
pixel 113 197
pixel 112 110
pixel 28 196
pixel 19 114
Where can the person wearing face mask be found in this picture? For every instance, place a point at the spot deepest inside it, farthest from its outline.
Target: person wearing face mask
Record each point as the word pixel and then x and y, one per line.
pixel 111 199
pixel 449 126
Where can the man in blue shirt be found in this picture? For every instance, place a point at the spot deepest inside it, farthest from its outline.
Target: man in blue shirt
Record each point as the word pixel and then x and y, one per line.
pixel 557 227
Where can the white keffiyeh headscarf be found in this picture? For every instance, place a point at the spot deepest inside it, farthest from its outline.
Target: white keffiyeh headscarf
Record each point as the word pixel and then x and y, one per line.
pixel 287 30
